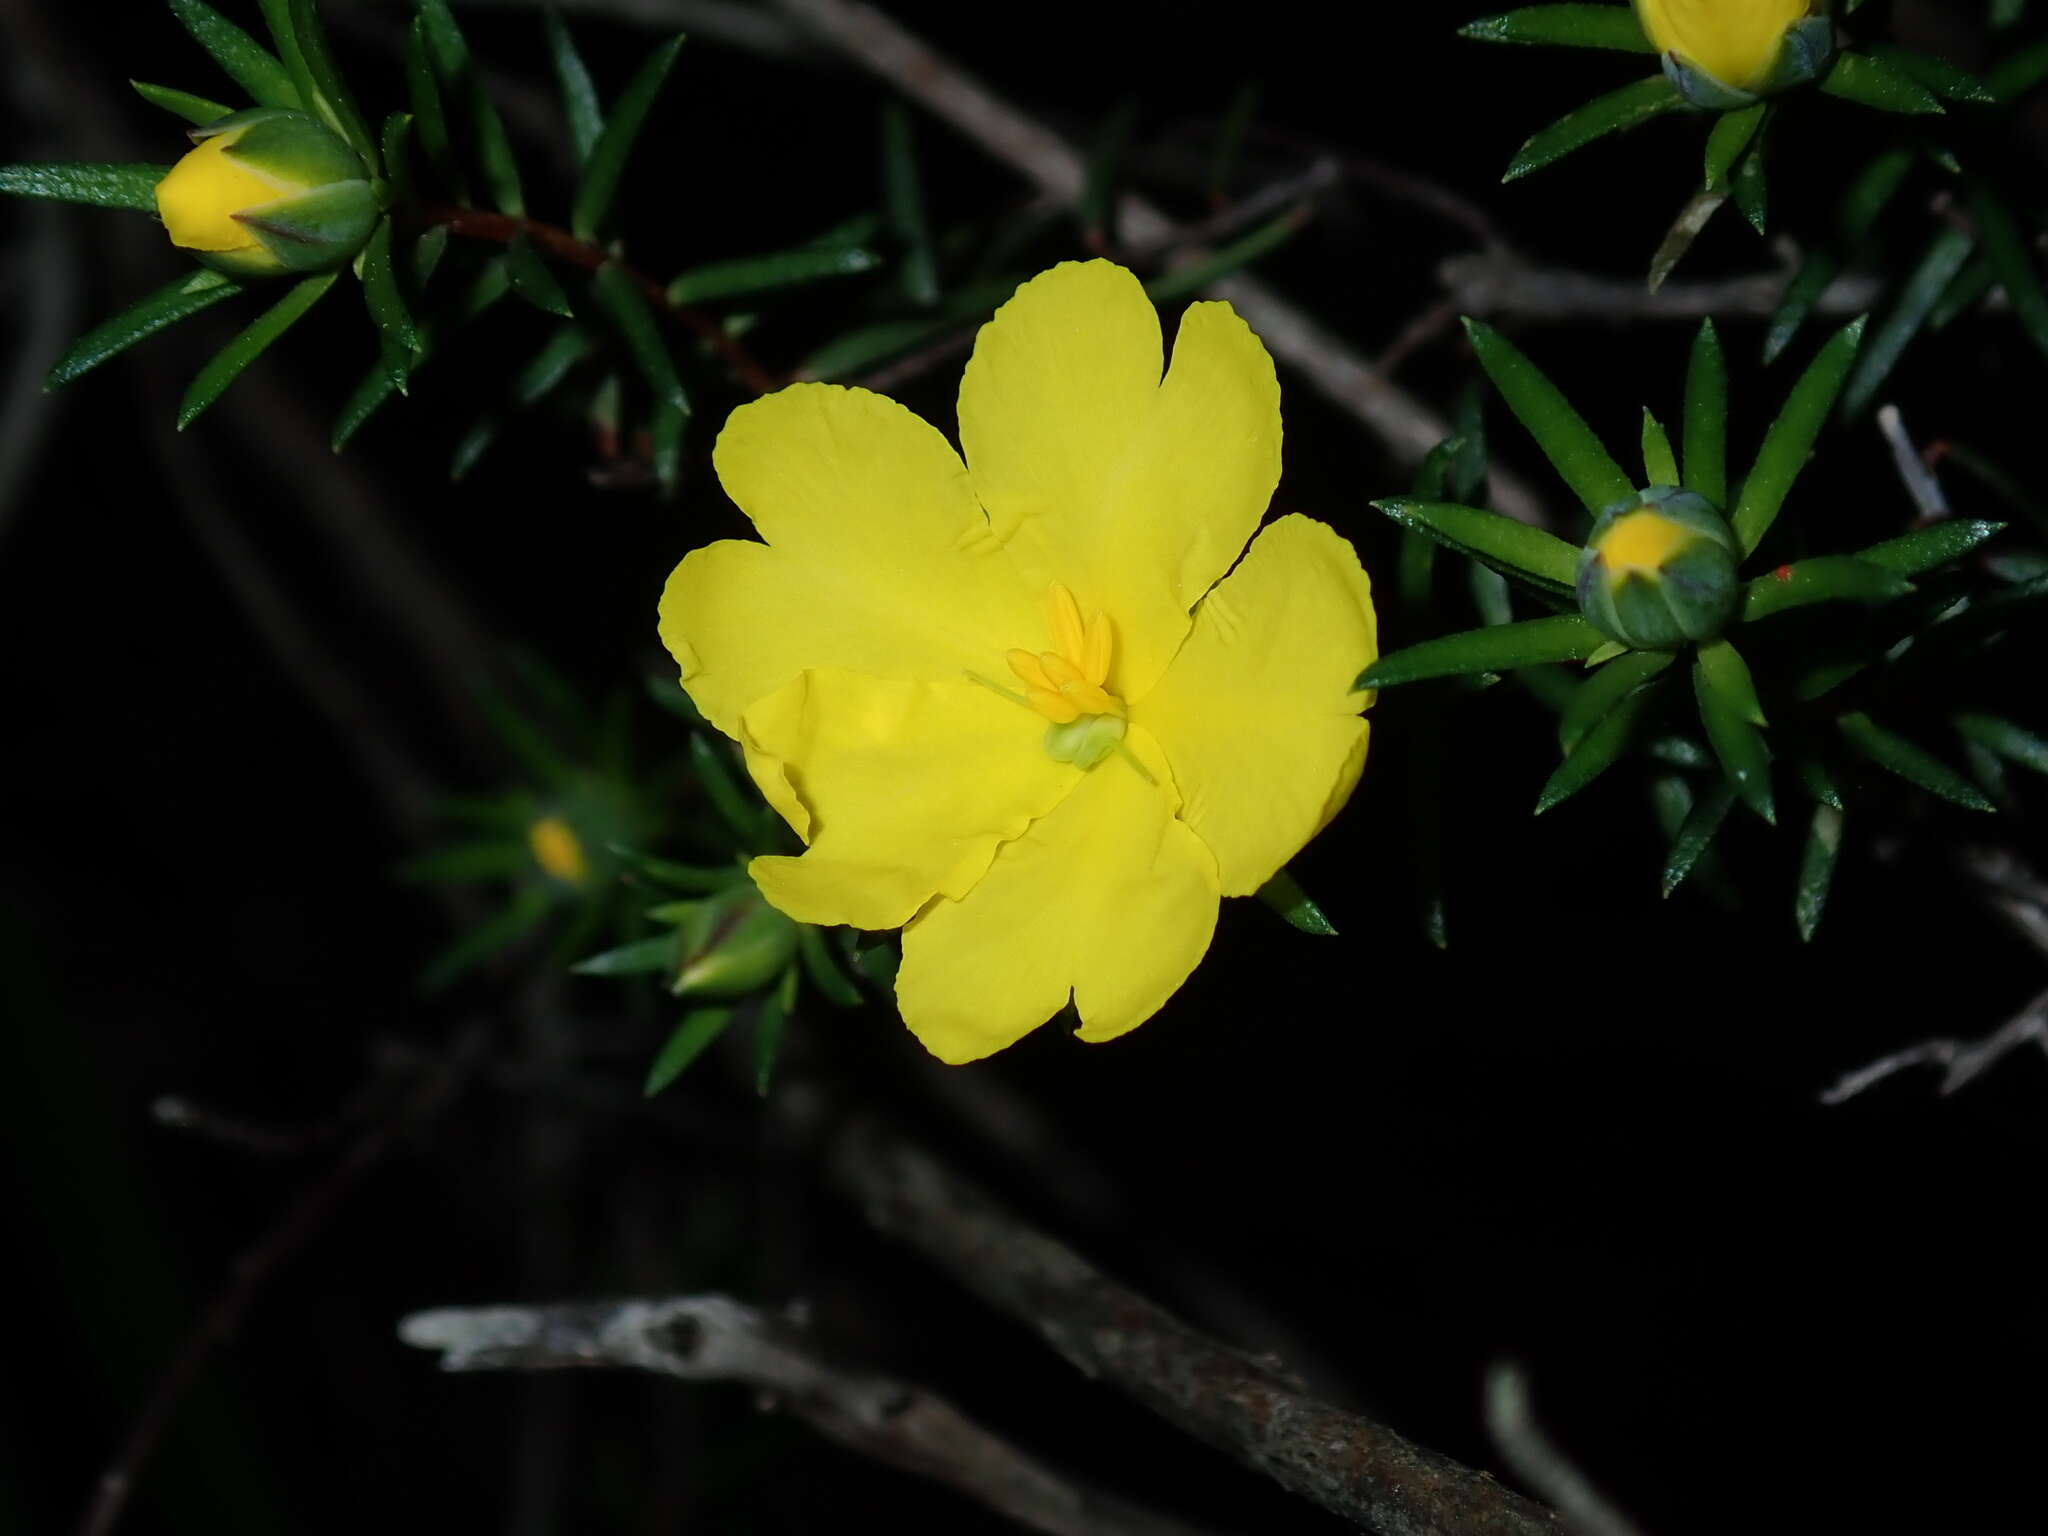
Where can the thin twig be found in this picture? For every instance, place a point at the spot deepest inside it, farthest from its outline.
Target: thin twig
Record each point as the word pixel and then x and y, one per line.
pixel 1247 1407
pixel 304 1219
pixel 1915 473
pixel 1512 1423
pixel 1407 426
pixel 714 1338
pixel 1962 1061
pixel 1501 283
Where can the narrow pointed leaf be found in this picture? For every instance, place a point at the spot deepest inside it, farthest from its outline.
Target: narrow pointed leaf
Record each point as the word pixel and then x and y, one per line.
pixel 1498 648
pixel 1696 832
pixel 1706 417
pixel 1873 190
pixel 1568 26
pixel 228 363
pixel 606 163
pixel 429 111
pixel 1510 547
pixel 1823 579
pixel 1728 709
pixel 1731 135
pixel 640 958
pixel 1185 282
pixel 1817 869
pixel 244 60
pixel 1750 186
pixel 735 806
pixel 1660 464
pixel 579 91
pixel 1283 893
pixel 377 386
pixel 448 51
pixel 690 1039
pixel 640 329
pixel 696 879
pixel 1995 734
pixel 1598 695
pixel 1870 82
pixel 1792 436
pixel 395 142
pixel 528 910
pixel 1625 108
pixel 1728 674
pixel 334 100
pixel 1930 279
pixel 1937 74
pixel 770 1025
pixel 388 308
pixel 97 185
pixel 1913 763
pixel 1562 434
pixel 533 279
pixel 764 274
pixel 1598 750
pixel 905 201
pixel 1816 781
pixel 284 36
pixel 166 307
pixel 194 109
pixel 824 972
pixel 1925 549
pixel 1691 223
pixel 2012 258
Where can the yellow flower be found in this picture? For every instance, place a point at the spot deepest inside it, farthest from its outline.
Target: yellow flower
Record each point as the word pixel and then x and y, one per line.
pixel 1178 733
pixel 558 850
pixel 1737 42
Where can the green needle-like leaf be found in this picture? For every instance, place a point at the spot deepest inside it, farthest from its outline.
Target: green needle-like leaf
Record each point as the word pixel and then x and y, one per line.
pixel 429 112
pixel 1510 547
pixel 1868 196
pixel 284 36
pixel 1498 648
pixel 1729 710
pixel 244 60
pixel 448 51
pixel 376 389
pixel 690 1039
pixel 579 91
pixel 395 143
pixel 764 274
pixel 735 806
pixel 1660 464
pixel 1925 549
pixel 335 101
pixel 1184 282
pixel 1597 696
pixel 1696 832
pixel 1792 436
pixel 166 307
pixel 534 280
pixel 98 185
pixel 640 958
pixel 1283 893
pixel 905 201
pixel 1823 579
pixel 528 910
pixel 228 363
pixel 835 985
pixel 1562 434
pixel 1817 868
pixel 2002 736
pixel 1730 137
pixel 1750 186
pixel 1597 751
pixel 1625 108
pixel 606 163
pixel 2012 258
pixel 387 307
pixel 1870 82
pixel 1937 74
pixel 1912 763
pixel 1930 279
pixel 696 879
pixel 770 1024
pixel 1706 417
pixel 640 329
pixel 1569 26
pixel 194 109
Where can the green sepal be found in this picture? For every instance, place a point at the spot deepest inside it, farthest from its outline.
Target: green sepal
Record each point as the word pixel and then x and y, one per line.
pixel 1870 82
pixel 245 61
pixel 1598 750
pixel 1592 701
pixel 1560 431
pixel 128 186
pixel 166 307
pixel 1691 596
pixel 606 162
pixel 1498 648
pixel 1515 549
pixel 689 1040
pixel 290 145
pixel 732 943
pixel 1926 549
pixel 1729 711
pixel 1790 440
pixel 1626 108
pixel 1823 579
pixel 1283 893
pixel 1817 869
pixel 1565 26
pixel 1915 764
pixel 314 230
pixel 1696 833
pixel 194 109
pixel 228 363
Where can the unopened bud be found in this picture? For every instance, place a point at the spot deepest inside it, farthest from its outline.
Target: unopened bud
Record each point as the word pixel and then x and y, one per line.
pixel 1659 570
pixel 733 943
pixel 1724 54
pixel 268 191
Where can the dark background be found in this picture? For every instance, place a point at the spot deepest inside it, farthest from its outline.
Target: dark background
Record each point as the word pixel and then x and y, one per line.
pixel 1586 1137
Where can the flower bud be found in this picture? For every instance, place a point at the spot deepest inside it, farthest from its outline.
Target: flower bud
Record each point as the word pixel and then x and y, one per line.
pixel 1659 570
pixel 1723 54
pixel 733 943
pixel 268 191
pixel 557 850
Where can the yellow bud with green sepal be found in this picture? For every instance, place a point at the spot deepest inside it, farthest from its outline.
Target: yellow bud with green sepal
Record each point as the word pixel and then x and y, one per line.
pixel 267 192
pixel 1724 54
pixel 733 943
pixel 1659 571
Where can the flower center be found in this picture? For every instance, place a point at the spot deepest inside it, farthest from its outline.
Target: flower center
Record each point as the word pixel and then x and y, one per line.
pixel 1065 684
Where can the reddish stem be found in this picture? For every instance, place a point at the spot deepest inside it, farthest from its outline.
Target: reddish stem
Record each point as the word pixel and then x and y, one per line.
pixel 501 228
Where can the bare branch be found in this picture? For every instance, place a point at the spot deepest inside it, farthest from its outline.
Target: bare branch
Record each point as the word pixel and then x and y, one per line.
pixel 1920 481
pixel 1407 426
pixel 1501 283
pixel 1348 1464
pixel 714 1338
pixel 1512 1423
pixel 1962 1061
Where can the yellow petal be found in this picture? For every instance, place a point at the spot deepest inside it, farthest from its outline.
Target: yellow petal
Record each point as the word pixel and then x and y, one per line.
pixel 907 790
pixel 1256 714
pixel 1109 898
pixel 200 195
pixel 877 557
pixel 1134 493
pixel 1735 41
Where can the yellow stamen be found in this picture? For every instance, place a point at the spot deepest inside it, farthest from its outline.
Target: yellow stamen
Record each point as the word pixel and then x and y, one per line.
pixel 1066 683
